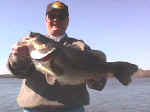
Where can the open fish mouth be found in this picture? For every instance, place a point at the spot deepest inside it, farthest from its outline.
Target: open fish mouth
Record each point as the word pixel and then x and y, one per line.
pixel 37 55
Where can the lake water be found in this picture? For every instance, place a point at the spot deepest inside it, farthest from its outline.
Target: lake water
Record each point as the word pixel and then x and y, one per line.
pixel 114 98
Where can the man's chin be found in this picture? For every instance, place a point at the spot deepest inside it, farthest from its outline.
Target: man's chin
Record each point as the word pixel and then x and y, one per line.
pixel 56 28
pixel 57 32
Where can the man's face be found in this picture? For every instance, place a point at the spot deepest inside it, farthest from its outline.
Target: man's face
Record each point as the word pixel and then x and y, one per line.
pixel 56 23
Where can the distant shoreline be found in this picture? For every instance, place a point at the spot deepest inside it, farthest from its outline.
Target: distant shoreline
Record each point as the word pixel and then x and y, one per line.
pixel 139 74
pixel 7 76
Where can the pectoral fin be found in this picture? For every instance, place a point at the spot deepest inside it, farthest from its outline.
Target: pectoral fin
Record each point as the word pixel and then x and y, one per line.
pixel 50 79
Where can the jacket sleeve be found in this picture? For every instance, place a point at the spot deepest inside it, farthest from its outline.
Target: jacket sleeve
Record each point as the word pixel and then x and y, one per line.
pixel 20 68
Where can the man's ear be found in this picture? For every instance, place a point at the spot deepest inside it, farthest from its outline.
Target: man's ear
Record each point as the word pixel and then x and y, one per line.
pixel 47 19
pixel 67 20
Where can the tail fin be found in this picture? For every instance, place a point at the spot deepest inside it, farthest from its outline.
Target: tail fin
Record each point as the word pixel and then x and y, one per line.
pixel 123 71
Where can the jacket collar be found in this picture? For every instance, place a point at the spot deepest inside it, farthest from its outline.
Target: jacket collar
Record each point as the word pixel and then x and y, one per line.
pixel 57 39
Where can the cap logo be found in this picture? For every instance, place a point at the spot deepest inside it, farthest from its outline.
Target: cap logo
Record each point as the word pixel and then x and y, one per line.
pixel 57 5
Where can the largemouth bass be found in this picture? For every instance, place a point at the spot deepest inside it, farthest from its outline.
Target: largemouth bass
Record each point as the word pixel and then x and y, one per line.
pixel 71 66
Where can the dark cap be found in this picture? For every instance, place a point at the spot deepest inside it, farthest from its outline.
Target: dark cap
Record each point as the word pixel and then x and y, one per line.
pixel 57 6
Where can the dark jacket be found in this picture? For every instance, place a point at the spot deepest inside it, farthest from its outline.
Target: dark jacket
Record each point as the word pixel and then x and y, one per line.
pixel 36 92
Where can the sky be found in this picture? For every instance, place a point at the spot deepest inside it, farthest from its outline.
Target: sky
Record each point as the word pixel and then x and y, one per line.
pixel 119 28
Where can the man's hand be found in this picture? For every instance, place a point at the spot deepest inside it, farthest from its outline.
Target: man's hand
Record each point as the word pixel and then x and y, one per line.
pixel 21 52
pixel 79 44
pixel 97 83
pixel 21 49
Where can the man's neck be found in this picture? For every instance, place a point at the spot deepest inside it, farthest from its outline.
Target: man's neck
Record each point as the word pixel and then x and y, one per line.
pixel 56 38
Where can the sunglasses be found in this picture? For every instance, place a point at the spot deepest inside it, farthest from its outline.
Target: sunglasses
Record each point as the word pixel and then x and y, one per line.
pixel 58 16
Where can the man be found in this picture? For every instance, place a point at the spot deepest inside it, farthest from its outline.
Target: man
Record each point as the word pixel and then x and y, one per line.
pixel 36 95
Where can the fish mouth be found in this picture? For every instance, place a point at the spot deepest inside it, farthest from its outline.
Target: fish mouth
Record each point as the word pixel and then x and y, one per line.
pixel 36 55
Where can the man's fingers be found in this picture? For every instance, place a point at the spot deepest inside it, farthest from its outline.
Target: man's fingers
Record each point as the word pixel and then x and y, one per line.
pixel 80 44
pixel 21 51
